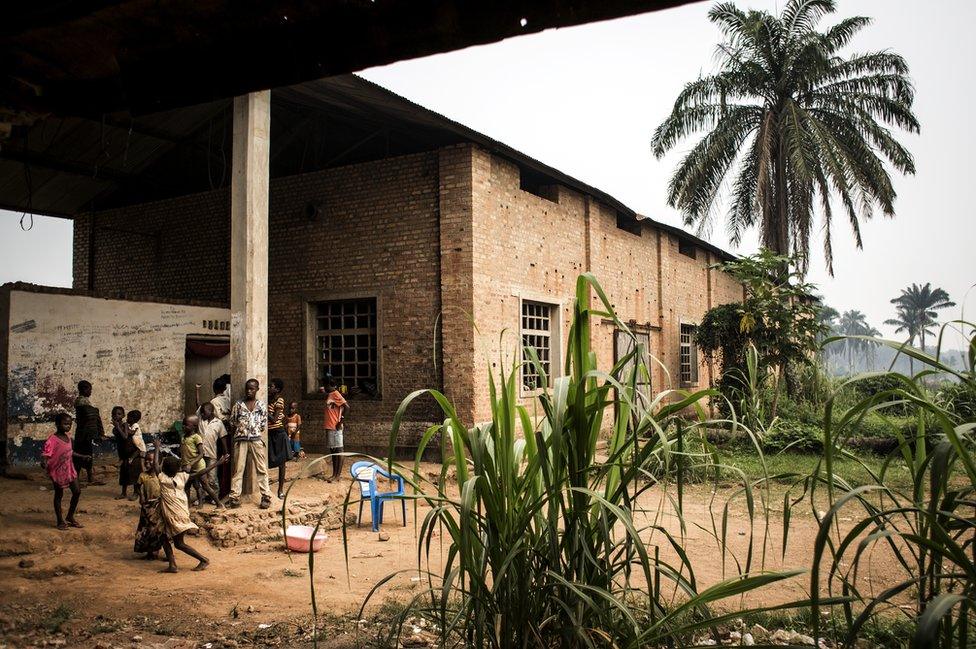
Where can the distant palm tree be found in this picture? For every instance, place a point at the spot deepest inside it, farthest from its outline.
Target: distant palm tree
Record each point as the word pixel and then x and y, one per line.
pixel 906 322
pixel 871 348
pixel 853 323
pixel 800 122
pixel 921 304
pixel 827 317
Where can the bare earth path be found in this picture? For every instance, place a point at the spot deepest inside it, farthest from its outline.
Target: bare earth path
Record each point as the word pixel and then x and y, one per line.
pixel 110 596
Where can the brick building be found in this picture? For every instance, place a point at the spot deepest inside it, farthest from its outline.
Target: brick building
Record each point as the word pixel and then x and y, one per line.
pixel 401 245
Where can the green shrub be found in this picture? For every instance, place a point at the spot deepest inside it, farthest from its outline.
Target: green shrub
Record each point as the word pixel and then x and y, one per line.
pixel 959 400
pixel 794 435
pixel 926 529
pixel 870 386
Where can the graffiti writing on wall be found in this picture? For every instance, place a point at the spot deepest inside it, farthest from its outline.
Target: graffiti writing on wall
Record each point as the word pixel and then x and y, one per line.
pixel 21 392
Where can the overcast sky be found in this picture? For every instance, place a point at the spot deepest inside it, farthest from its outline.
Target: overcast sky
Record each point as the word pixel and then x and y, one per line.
pixel 586 99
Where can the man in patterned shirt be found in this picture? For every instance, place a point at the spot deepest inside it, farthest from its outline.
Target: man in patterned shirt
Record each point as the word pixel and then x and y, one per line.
pixel 249 421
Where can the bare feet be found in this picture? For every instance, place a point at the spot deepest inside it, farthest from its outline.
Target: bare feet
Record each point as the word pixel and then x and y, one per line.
pixel 120 497
pixel 73 523
pixel 133 497
pixel 62 526
pixel 170 569
pixel 201 566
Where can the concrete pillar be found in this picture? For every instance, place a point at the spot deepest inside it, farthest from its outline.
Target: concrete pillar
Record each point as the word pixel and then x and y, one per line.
pixel 249 244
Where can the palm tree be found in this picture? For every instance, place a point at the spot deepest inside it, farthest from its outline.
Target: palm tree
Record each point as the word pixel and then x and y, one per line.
pixel 853 323
pixel 798 120
pixel 907 322
pixel 921 304
pixel 827 317
pixel 869 347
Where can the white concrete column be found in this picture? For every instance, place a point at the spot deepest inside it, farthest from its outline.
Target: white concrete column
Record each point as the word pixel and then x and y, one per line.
pixel 249 241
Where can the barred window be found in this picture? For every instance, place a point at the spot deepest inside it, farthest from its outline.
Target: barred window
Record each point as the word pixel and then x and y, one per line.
pixel 345 344
pixel 688 355
pixel 537 333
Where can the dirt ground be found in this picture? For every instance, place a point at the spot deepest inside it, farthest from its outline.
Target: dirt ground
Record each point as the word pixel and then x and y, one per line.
pixel 85 587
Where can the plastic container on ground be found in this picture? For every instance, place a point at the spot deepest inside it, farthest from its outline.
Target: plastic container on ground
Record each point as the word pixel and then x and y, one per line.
pixel 298 538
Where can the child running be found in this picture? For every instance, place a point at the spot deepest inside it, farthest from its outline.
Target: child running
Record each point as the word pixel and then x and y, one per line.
pixel 149 534
pixel 174 509
pixel 193 462
pixel 58 459
pixel 294 424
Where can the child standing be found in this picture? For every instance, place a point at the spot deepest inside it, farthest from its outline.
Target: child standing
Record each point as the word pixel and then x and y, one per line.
pixel 149 534
pixel 58 458
pixel 89 429
pixel 191 458
pixel 279 449
pixel 335 414
pixel 130 459
pixel 132 419
pixel 174 509
pixel 214 439
pixel 294 425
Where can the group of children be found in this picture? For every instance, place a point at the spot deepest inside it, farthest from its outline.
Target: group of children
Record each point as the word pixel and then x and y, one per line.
pixel 163 484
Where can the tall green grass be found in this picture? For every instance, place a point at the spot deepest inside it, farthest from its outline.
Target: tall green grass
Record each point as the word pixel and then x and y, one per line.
pixel 926 530
pixel 545 543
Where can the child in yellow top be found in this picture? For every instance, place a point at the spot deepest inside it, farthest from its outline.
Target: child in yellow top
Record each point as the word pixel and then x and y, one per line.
pixel 191 458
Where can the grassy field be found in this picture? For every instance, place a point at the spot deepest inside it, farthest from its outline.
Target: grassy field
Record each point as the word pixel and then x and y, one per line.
pixel 855 472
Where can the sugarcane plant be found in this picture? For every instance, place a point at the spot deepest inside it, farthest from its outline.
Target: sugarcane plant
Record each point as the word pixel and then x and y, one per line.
pixel 928 532
pixel 544 541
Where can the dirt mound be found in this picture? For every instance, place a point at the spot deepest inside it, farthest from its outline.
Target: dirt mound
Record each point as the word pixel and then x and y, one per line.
pixel 229 528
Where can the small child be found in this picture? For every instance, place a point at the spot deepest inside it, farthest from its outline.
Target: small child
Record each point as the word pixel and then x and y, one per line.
pixel 214 439
pixel 192 459
pixel 335 414
pixel 88 430
pixel 149 534
pixel 294 424
pixel 58 459
pixel 132 419
pixel 130 458
pixel 174 509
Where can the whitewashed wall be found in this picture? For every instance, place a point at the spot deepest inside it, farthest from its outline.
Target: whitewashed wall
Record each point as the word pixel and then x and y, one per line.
pixel 132 352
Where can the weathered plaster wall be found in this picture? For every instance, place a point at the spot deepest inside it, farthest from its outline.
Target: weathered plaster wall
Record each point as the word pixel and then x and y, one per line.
pixel 132 352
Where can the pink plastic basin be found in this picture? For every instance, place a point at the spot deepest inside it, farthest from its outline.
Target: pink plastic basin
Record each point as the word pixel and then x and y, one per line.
pixel 298 538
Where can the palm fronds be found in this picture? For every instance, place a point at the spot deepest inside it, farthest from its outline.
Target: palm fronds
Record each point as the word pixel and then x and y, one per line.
pixel 790 123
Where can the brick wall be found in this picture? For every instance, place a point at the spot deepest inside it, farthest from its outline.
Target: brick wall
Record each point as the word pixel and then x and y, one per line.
pixel 176 248
pixel 526 247
pixel 447 233
pixel 456 272
pixel 377 235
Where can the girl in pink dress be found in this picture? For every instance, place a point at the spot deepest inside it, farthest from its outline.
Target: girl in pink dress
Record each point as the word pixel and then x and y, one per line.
pixel 57 460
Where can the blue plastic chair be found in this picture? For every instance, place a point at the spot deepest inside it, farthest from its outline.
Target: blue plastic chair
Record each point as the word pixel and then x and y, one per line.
pixel 365 474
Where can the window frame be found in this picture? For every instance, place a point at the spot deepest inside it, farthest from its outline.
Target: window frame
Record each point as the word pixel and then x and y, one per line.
pixel 694 373
pixel 310 351
pixel 645 387
pixel 555 339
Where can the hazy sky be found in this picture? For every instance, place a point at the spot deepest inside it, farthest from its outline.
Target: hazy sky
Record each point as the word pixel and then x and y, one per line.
pixel 586 100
